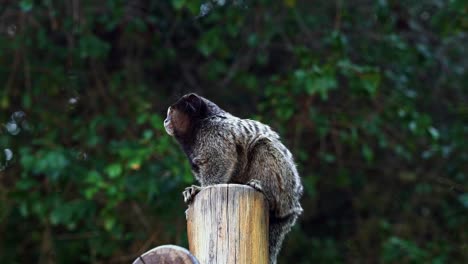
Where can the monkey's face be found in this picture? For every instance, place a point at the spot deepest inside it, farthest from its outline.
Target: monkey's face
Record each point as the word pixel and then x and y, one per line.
pixel 182 115
pixel 176 122
pixel 168 123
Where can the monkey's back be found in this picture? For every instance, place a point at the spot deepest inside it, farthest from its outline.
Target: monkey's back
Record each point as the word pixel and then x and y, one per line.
pixel 283 187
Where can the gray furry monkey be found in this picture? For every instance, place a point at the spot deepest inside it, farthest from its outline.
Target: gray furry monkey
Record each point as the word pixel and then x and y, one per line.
pixel 223 148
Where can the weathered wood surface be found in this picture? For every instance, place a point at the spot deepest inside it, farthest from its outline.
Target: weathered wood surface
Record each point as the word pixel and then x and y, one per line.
pixel 167 254
pixel 227 224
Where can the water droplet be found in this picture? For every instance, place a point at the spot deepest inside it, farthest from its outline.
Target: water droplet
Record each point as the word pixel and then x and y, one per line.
pixel 18 116
pixel 82 155
pixel 402 113
pixel 434 132
pixel 8 154
pixel 73 100
pixel 412 126
pixel 425 15
pixel 205 8
pixel 12 128
pixel 11 30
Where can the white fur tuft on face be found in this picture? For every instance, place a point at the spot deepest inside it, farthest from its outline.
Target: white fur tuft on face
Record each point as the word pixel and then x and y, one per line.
pixel 168 124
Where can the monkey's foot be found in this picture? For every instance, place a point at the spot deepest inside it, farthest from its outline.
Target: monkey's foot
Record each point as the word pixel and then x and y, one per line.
pixel 256 185
pixel 190 192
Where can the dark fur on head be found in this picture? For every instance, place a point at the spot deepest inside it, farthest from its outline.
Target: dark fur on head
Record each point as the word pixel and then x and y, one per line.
pixel 184 116
pixel 197 107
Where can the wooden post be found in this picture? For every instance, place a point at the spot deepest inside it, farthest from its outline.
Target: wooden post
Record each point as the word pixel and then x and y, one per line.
pixel 228 224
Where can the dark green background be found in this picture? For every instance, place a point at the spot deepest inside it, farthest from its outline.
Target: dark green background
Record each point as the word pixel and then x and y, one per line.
pixel 370 96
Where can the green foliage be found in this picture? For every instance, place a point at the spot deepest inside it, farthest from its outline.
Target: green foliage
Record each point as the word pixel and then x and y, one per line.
pixel 370 97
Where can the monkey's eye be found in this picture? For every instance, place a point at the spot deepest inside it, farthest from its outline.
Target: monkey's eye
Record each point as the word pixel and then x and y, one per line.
pixel 195 167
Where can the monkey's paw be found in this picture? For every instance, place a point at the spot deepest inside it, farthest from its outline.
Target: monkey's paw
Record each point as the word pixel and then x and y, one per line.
pixel 256 185
pixel 190 192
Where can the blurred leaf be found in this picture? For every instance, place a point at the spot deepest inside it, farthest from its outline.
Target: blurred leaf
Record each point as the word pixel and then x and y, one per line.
pixel 464 199
pixel 367 153
pixel 26 5
pixel 109 223
pixel 114 170
pixel 93 47
pixel 396 248
pixel 371 82
pixel 290 3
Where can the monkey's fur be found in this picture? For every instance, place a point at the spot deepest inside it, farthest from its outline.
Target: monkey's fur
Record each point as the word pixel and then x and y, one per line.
pixel 223 148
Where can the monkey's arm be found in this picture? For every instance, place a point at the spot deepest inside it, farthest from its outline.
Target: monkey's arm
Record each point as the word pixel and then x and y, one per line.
pixel 213 164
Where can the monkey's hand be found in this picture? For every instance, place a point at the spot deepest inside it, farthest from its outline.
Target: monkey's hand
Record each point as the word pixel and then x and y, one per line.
pixel 190 192
pixel 256 185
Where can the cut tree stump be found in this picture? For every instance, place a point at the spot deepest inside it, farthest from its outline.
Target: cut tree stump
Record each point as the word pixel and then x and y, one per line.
pixel 227 224
pixel 167 254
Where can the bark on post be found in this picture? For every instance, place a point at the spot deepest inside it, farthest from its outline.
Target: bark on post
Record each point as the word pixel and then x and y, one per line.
pixel 227 224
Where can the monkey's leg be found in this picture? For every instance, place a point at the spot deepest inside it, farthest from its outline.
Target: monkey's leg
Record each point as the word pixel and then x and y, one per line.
pixel 190 192
pixel 269 167
pixel 278 229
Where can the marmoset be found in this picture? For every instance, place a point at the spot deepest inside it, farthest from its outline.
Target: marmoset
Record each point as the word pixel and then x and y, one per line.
pixel 223 148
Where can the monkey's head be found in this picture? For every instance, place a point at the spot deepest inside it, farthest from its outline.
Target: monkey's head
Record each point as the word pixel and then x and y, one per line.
pixel 187 112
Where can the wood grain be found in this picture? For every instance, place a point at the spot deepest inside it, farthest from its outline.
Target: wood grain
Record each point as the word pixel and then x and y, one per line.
pixel 228 224
pixel 167 254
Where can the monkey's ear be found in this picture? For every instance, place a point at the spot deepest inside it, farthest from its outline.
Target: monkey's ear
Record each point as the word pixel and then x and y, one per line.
pixel 193 99
pixel 192 96
pixel 195 105
pixel 180 123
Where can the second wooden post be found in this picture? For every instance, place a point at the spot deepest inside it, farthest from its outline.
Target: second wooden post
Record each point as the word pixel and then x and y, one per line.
pixel 227 224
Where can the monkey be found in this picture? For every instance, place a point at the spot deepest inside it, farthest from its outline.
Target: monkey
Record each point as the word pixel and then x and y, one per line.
pixel 223 148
